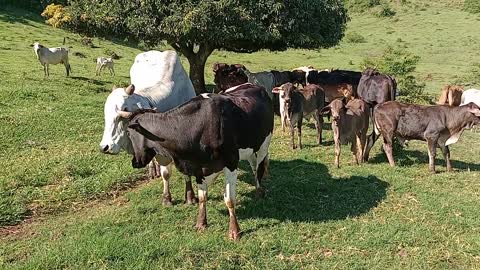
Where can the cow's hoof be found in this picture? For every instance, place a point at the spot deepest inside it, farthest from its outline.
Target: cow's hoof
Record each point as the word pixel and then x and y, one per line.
pixel 191 201
pixel 167 201
pixel 234 235
pixel 260 193
pixel 200 227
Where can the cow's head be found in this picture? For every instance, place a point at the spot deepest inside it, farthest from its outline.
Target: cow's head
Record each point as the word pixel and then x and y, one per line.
pixel 285 92
pixel 119 105
pixel 336 108
pixel 474 109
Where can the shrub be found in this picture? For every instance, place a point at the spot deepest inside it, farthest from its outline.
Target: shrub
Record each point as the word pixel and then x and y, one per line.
pixel 354 37
pixel 56 15
pixel 401 64
pixel 385 11
pixel 361 5
pixel 472 6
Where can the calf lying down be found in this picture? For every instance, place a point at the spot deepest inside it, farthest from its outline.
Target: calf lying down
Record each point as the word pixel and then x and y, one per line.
pixel 439 126
pixel 206 135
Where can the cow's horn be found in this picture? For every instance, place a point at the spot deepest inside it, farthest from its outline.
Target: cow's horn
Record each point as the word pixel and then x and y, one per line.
pixel 124 114
pixel 129 90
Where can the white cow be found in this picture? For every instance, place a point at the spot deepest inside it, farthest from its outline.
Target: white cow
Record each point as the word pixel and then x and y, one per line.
pixel 158 81
pixel 471 95
pixel 53 56
pixel 102 63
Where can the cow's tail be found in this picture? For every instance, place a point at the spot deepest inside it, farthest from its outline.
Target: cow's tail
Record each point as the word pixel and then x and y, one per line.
pixel 393 88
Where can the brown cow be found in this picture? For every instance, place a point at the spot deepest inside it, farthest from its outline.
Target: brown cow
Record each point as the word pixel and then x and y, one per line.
pixel 451 95
pixel 227 76
pixel 300 103
pixel 438 125
pixel 349 125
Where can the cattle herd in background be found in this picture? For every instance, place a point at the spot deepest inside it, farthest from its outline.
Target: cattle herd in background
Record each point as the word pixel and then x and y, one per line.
pixel 160 121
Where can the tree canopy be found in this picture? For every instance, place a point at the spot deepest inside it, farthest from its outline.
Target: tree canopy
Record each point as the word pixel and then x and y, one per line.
pixel 196 28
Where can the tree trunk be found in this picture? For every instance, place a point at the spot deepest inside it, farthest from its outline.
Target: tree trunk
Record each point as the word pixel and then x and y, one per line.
pixel 197 73
pixel 197 62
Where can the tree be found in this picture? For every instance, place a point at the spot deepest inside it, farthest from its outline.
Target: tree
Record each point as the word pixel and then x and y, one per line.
pixel 196 28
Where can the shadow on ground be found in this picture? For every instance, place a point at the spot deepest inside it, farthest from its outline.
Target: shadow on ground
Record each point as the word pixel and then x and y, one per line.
pixel 405 157
pixel 299 190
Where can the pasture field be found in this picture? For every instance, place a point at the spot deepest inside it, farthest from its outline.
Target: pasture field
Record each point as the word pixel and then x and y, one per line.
pixel 64 205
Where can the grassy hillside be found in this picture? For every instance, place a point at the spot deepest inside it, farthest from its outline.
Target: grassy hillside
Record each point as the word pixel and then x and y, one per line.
pixel 76 208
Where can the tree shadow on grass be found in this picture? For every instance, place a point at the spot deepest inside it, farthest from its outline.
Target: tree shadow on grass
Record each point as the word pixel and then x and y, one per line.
pixel 404 157
pixel 90 80
pixel 303 191
pixel 14 15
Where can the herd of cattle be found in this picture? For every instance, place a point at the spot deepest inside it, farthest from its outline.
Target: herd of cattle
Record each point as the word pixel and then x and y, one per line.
pixel 160 120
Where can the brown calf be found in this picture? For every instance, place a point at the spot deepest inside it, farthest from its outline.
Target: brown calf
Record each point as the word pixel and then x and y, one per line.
pixel 299 103
pixel 438 125
pixel 451 95
pixel 349 125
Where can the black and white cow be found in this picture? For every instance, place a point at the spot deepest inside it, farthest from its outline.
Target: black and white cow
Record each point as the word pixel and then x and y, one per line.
pixel 206 136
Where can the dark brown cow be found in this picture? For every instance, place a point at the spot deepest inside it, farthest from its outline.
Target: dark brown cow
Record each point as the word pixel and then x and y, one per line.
pixel 227 76
pixel 349 125
pixel 300 103
pixel 451 95
pixel 438 125
pixel 375 88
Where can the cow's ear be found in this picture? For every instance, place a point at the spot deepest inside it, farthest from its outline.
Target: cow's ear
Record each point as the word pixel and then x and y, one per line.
pixel 325 110
pixel 276 90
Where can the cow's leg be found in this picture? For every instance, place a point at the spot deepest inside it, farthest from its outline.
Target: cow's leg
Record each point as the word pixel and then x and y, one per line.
pixel 354 150
pixel 167 196
pixel 371 139
pixel 67 69
pixel 360 146
pixel 48 71
pixel 432 152
pixel 337 152
pixel 292 135
pixel 318 125
pixel 202 207
pixel 44 70
pixel 189 193
pixel 229 196
pixel 261 166
pixel 299 131
pixel 446 156
pixel 388 147
pixel 202 201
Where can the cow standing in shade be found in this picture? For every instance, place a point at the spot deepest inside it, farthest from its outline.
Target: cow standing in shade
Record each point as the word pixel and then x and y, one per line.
pixel 439 126
pixel 208 135
pixel 160 83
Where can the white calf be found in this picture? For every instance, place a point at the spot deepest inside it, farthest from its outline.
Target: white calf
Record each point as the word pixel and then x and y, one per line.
pixel 53 56
pixel 103 62
pixel 471 95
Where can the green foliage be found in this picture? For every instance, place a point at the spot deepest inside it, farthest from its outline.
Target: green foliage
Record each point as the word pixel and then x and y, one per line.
pixel 56 15
pixel 401 64
pixel 232 25
pixel 472 6
pixel 385 11
pixel 354 37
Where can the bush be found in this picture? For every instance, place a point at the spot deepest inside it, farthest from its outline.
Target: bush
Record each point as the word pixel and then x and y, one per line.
pixel 354 37
pixel 472 6
pixel 361 5
pixel 56 15
pixel 401 64
pixel 385 11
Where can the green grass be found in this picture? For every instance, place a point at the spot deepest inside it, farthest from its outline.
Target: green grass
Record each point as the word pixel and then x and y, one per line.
pixel 78 209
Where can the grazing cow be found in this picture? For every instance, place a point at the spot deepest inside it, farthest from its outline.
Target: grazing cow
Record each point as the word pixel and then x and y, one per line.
pixel 349 125
pixel 51 56
pixel 375 88
pixel 161 83
pixel 227 76
pixel 300 103
pixel 438 125
pixel 102 63
pixel 207 135
pixel 451 95
pixel 470 95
